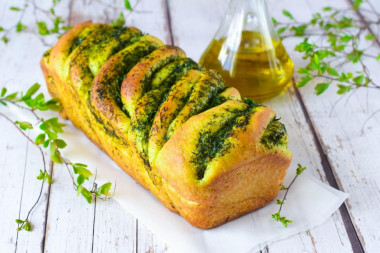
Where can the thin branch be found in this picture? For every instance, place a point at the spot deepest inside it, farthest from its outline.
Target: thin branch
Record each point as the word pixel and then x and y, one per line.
pixel 286 192
pixel 20 226
pixel 370 117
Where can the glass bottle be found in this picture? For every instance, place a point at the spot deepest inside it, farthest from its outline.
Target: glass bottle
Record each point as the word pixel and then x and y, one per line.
pixel 247 52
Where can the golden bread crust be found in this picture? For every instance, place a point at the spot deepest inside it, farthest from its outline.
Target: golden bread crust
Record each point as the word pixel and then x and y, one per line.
pixel 171 125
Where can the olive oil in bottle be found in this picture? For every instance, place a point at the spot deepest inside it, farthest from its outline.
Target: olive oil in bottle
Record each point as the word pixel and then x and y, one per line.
pixel 257 69
pixel 247 52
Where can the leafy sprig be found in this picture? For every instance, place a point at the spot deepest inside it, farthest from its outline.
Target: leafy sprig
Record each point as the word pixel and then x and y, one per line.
pixel 277 216
pixel 49 138
pixel 47 22
pixel 119 22
pixel 23 224
pixel 331 39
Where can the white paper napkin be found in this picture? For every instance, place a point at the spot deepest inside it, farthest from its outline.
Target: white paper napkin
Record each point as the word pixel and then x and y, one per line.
pixel 308 204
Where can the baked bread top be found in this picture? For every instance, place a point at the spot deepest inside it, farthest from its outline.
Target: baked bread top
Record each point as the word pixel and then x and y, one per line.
pixel 195 141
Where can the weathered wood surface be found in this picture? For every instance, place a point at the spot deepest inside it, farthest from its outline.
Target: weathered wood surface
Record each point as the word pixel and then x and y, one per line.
pixel 332 145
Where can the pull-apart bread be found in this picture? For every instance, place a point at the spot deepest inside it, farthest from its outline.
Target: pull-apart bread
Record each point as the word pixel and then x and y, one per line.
pixel 175 127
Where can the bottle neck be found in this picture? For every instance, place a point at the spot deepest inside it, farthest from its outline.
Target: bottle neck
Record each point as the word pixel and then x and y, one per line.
pixel 247 15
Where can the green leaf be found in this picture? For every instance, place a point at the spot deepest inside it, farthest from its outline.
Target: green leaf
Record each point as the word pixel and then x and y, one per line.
pixel 357 4
pixel 80 169
pixel 27 226
pixel 3 103
pixel 285 221
pixel 41 175
pixel 80 179
pixel 40 139
pixel 119 22
pixel 67 28
pixel 346 38
pixel 46 143
pixel 53 105
pixel 12 8
pixel 81 165
pixel 85 193
pixel 18 221
pixel 300 169
pixel 60 143
pixel 54 154
pixel 370 37
pixel 276 216
pixel 299 30
pixel 279 202
pixel 20 27
pixel 359 80
pixel 127 5
pixel 304 80
pixel 11 96
pixel 274 21
pixel 283 188
pixel 378 57
pixel 332 71
pixel 31 91
pixel 343 77
pixel 55 157
pixel 42 28
pixel 321 87
pixel 45 177
pixel 79 189
pixel 52 127
pixel 3 91
pixel 52 11
pixel 302 70
pixel 55 2
pixel 315 62
pixel 327 8
pixel 24 125
pixel 1 29
pixel 343 89
pixel 56 22
pixel 104 189
pixel 4 39
pixel 281 30
pixel 287 14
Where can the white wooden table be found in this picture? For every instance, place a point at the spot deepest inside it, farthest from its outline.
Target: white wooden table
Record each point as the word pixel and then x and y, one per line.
pixel 330 142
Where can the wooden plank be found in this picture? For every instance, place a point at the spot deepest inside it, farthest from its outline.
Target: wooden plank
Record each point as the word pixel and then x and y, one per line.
pixel 11 181
pixel 114 228
pixel 31 188
pixel 351 153
pixel 33 241
pixel 193 36
pixel 22 161
pixel 12 148
pixel 149 242
pixel 70 220
pixel 372 20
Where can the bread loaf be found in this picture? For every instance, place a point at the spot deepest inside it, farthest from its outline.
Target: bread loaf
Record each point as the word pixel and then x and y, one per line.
pixel 175 127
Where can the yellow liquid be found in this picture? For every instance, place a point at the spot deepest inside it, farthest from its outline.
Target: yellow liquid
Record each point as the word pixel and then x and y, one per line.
pixel 260 68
